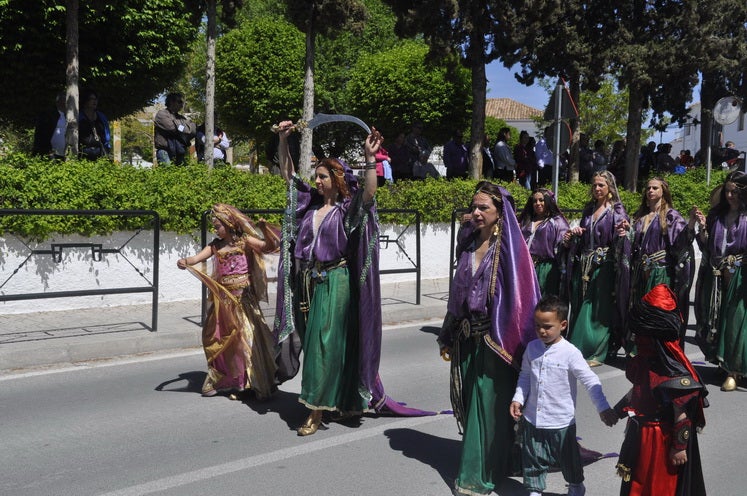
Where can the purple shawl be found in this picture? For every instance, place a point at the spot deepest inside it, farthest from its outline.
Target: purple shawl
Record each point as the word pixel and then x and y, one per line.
pixel 353 232
pixel 547 239
pixel 603 234
pixel 511 309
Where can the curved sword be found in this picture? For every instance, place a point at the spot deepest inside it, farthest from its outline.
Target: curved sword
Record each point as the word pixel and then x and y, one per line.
pixel 320 119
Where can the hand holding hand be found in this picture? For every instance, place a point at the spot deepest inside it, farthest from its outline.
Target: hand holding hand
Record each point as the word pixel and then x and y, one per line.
pixel 609 417
pixel 515 410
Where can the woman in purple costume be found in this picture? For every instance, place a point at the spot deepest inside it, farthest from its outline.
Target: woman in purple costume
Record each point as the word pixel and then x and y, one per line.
pixel 661 250
pixel 600 273
pixel 543 227
pixel 328 286
pixel 489 321
pixel 721 291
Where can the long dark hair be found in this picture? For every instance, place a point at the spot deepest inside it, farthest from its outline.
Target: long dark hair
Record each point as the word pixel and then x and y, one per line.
pixel 739 179
pixel 527 214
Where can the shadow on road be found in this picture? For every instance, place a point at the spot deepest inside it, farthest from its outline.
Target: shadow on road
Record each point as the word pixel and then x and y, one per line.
pixel 194 383
pixel 439 453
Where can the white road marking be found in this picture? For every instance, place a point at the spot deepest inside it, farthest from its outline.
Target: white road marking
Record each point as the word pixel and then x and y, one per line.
pixel 206 473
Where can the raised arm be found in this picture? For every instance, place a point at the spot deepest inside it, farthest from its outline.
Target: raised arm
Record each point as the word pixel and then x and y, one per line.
pixel 286 162
pixel 372 145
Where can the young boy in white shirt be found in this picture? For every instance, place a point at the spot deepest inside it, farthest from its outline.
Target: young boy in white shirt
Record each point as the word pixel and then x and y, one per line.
pixel 546 397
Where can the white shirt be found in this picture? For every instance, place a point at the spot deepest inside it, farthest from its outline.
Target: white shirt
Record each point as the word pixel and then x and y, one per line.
pixel 547 384
pixel 58 136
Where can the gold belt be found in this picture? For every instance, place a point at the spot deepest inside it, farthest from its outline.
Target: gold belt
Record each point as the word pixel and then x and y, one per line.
pixel 648 262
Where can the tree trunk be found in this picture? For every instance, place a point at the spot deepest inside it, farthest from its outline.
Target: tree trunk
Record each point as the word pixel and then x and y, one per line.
pixel 633 137
pixel 707 102
pixel 479 85
pixel 72 78
pixel 210 84
pixel 575 90
pixel 304 165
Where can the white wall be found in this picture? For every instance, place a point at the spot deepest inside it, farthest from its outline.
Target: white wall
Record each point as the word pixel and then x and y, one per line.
pixel 133 267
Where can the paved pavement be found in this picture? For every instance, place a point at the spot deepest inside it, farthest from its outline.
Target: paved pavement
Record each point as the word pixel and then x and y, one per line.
pixel 42 338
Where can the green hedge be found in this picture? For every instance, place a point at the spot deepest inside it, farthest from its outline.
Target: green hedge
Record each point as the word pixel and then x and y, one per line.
pixel 181 194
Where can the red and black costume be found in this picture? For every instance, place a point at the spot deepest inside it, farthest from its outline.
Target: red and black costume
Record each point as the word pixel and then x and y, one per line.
pixel 664 382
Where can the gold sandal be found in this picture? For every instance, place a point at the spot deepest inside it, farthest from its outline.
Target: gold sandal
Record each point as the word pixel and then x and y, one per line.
pixel 312 424
pixel 730 384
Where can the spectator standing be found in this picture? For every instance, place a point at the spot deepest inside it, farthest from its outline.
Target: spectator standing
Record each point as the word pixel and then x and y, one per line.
pixel 456 157
pixel 545 161
pixel 173 132
pixel 400 158
pixel 488 166
pixel 546 398
pixel 505 165
pixel 646 161
pixel 94 137
pixel 525 161
pixel 585 159
pixel 419 150
pixel 665 163
pixel 686 159
pixel 600 156
pixel 50 130
pixel 616 163
pixel 221 143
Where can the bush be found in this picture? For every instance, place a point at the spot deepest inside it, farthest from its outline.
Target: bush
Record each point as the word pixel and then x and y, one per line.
pixel 180 195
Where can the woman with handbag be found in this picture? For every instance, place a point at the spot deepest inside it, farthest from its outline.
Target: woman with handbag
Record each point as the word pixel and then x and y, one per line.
pixel 94 137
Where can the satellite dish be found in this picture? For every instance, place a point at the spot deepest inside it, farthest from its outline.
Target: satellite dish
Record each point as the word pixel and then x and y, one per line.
pixel 727 110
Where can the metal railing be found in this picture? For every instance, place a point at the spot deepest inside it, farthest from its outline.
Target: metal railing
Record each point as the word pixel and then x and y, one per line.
pixel 98 251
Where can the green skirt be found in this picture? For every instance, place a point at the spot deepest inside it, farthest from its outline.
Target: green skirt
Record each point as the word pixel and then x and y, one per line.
pixel 731 347
pixel 592 313
pixel 330 378
pixel 548 277
pixel 488 385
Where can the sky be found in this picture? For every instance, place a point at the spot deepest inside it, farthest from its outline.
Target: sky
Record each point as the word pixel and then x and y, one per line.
pixel 503 84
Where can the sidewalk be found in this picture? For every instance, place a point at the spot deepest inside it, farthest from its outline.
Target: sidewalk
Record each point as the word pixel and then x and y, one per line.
pixel 74 336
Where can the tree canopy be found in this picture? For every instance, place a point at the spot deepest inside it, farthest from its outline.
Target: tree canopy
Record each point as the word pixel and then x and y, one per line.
pixel 130 51
pixel 259 76
pixel 397 86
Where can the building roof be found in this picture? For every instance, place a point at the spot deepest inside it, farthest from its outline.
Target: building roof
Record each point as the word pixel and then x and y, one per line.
pixel 510 110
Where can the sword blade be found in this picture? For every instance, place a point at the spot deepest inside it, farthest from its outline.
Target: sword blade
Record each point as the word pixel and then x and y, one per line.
pixel 320 119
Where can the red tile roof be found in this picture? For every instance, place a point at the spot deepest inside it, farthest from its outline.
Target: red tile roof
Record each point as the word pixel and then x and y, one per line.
pixel 509 110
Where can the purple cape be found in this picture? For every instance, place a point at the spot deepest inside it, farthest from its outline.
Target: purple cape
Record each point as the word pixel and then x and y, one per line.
pixel 362 252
